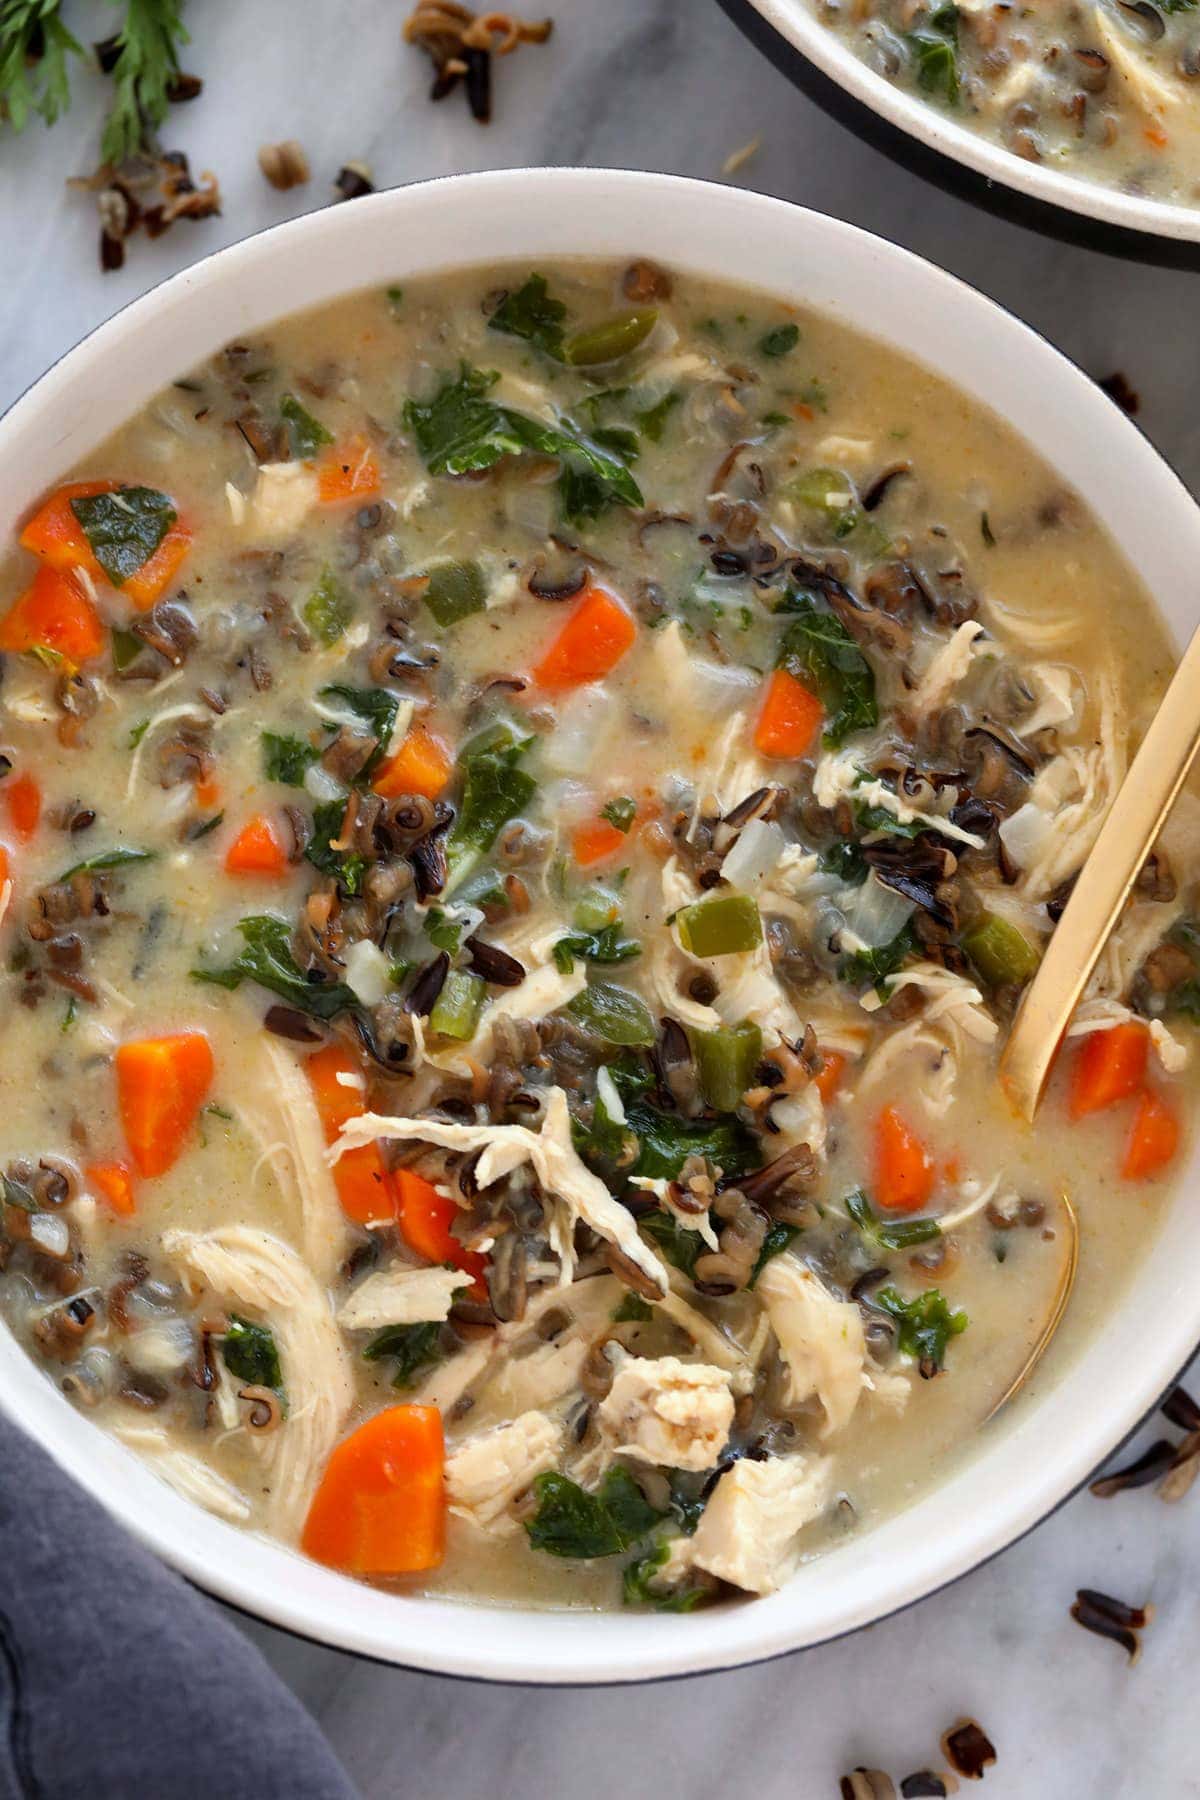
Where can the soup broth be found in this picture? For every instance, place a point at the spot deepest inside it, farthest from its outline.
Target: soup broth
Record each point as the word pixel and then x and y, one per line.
pixel 529 804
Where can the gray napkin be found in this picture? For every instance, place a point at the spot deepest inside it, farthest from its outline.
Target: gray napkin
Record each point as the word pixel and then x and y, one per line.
pixel 118 1681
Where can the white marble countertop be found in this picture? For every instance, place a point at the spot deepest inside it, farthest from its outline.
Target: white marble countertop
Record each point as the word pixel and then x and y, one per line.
pixel 670 84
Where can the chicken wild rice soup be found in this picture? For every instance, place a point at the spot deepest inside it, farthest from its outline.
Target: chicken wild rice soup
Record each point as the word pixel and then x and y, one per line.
pixel 528 803
pixel 1106 90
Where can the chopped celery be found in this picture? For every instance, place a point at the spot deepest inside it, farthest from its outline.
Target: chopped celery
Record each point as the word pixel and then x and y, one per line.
pixel 721 926
pixel 327 611
pixel 595 908
pixel 1002 954
pixel 725 1061
pixel 455 590
pixel 457 1008
pixel 830 492
pixel 611 339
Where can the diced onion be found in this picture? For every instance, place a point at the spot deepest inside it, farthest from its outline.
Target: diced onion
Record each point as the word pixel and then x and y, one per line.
pixel 876 913
pixel 754 856
pixel 367 972
pixel 583 723
pixel 1024 834
pixel 50 1233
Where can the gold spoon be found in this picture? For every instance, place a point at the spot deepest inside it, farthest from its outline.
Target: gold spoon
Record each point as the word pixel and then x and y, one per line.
pixel 1136 817
pixel 1062 1295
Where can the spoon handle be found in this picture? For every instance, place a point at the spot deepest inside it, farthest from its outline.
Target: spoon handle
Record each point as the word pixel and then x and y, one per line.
pixel 1134 821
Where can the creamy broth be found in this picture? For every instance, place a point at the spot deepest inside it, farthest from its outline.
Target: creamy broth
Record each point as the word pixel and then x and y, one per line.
pixel 1092 88
pixel 644 782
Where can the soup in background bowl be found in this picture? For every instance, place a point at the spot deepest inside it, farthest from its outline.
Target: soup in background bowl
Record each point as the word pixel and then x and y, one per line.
pixel 533 793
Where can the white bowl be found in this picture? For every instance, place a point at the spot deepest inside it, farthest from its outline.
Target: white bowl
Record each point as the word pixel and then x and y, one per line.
pixel 940 133
pixel 1052 1443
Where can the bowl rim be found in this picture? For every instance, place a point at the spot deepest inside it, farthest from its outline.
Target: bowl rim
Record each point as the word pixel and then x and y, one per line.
pixel 703 228
pixel 1123 223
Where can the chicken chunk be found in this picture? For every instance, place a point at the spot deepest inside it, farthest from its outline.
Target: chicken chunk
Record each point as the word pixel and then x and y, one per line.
pixel 820 1340
pixel 402 1297
pixel 485 1474
pixel 747 1532
pixel 669 1412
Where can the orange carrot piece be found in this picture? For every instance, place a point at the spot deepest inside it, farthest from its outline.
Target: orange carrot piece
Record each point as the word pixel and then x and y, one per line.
pixel 23 797
pixel 903 1171
pixel 1155 135
pixel 161 1084
pixel 4 866
pixel 1109 1066
pixel 425 1218
pixel 789 718
pixel 115 1182
pixel 257 850
pixel 146 584
pixel 380 1508
pixel 590 644
pixel 55 614
pixel 1153 1137
pixel 347 471
pixel 55 534
pixel 596 841
pixel 363 1184
pixel 421 765
pixel 208 791
pixel 828 1077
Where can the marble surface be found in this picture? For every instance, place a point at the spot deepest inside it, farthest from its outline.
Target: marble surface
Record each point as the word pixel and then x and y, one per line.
pixel 670 84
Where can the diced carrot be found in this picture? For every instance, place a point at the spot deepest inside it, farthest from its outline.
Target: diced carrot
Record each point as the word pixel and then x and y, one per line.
pixel 4 866
pixel 146 584
pixel 363 1184
pixel 421 765
pixel 23 797
pixel 800 409
pixel 54 614
pixel 380 1508
pixel 161 1084
pixel 257 850
pixel 828 1077
pixel 347 471
pixel 1153 1137
pixel 208 791
pixel 1109 1066
pixel 789 718
pixel 590 644
pixel 596 842
pixel 903 1171
pixel 116 1184
pixel 1154 134
pixel 425 1218
pixel 55 534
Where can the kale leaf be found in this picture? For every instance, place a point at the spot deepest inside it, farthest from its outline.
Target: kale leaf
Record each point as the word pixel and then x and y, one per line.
pixel 304 433
pixel 861 966
pixel 885 1233
pixel 495 789
pixel 410 1348
pixel 124 528
pixel 251 1354
pixel 286 758
pixel 572 1522
pixel 378 709
pixel 777 1240
pixel 818 650
pixel 604 946
pixel 344 865
pixel 532 313
pixel 637 1587
pixel 108 859
pixel 267 959
pixel 926 1324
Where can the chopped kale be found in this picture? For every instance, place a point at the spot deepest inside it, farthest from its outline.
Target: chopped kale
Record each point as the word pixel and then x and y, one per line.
pixel 267 959
pixel 532 313
pixel 328 610
pixel 409 1348
pixel 305 434
pixel 678 1243
pixel 881 818
pixel 777 1240
pixel 495 789
pixel 845 860
pixel 608 945
pixel 934 53
pixel 251 1354
pixel 620 812
pixel 652 421
pixel 348 868
pixel 378 709
pixel 886 1233
pixel 926 1324
pixel 633 1310
pixel 637 1585
pixel 119 858
pixel 818 650
pixel 127 646
pixel 863 966
pixel 572 1522
pixel 780 340
pixel 124 528
pixel 286 759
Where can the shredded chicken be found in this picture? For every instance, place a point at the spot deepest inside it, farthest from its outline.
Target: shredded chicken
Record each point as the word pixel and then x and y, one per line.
pixel 258 1271
pixel 282 1114
pixel 820 1340
pixel 402 1297
pixel 949 665
pixel 579 1194
pixel 661 1410
pixel 485 1474
pixel 185 1473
